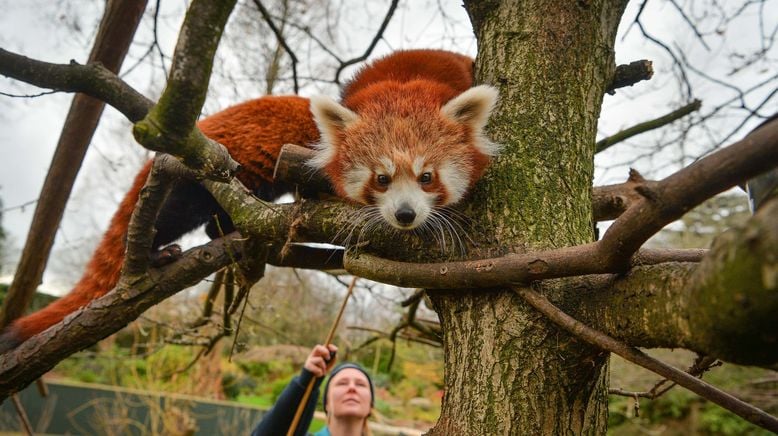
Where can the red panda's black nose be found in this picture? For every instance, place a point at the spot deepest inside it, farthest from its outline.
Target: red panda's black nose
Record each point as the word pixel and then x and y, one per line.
pixel 405 215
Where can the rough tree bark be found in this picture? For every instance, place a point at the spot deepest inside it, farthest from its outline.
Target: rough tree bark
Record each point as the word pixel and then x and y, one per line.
pixel 507 369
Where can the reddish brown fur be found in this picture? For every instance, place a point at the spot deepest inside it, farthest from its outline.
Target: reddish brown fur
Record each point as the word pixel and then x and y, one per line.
pixel 415 83
pixel 453 69
pixel 253 132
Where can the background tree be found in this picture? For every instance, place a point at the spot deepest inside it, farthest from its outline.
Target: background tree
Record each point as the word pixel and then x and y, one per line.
pixel 508 368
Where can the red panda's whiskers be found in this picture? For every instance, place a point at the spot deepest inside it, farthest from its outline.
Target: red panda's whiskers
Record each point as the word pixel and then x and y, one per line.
pixel 449 219
pixel 431 226
pixel 373 220
pixel 357 218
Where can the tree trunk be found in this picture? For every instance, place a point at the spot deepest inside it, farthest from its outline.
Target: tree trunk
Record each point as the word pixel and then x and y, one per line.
pixel 508 370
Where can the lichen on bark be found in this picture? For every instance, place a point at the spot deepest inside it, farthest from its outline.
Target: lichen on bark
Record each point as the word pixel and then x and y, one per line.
pixel 508 370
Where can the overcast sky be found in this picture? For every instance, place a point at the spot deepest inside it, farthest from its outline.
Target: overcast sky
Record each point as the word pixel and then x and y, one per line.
pixel 60 31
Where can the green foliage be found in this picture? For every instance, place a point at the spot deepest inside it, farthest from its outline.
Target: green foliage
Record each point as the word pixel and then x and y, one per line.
pixel 266 370
pixel 119 367
pixel 680 412
pixel 256 400
pixel 230 385
pixel 278 386
pixel 677 412
pixel 717 421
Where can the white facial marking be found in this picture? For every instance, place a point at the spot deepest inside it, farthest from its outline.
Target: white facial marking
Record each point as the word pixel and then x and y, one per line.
pixel 325 153
pixel 388 166
pixel 355 180
pixel 418 166
pixel 455 179
pixel 330 118
pixel 405 193
pixel 473 108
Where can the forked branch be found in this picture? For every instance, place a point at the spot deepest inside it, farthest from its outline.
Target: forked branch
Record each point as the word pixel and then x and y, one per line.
pixel 596 338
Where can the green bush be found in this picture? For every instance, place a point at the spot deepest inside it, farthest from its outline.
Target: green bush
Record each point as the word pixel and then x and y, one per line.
pixel 717 421
pixel 278 386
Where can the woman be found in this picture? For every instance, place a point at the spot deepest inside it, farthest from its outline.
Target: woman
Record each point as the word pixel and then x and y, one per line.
pixel 348 398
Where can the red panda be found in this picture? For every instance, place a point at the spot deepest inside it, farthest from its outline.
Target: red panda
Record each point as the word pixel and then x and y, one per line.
pixel 409 135
pixel 407 139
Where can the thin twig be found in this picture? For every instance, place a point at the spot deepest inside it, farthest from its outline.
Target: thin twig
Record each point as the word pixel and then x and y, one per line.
pixel 379 34
pixel 281 40
pixel 647 126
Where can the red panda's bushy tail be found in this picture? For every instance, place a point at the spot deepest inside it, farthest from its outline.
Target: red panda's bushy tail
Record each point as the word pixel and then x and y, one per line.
pixel 101 275
pixel 252 131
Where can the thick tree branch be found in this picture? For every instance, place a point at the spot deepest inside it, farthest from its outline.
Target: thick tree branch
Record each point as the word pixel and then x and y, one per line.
pixel 700 387
pixel 169 126
pixel 117 28
pixel 608 202
pixel 93 80
pixel 488 273
pixel 141 231
pixel 673 196
pixel 110 313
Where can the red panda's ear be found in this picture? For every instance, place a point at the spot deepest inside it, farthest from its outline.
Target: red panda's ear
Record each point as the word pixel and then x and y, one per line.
pixel 331 118
pixel 472 107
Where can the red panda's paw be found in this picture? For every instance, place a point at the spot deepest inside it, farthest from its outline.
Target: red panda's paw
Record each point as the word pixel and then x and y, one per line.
pixel 9 339
pixel 166 255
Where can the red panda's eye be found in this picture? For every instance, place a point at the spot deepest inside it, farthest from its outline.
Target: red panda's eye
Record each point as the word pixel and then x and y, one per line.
pixel 425 178
pixel 383 179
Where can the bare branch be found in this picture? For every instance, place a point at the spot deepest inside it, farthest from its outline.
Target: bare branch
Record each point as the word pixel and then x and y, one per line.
pixel 93 80
pixel 673 196
pixel 676 62
pixel 22 414
pixel 169 126
pixel 281 40
pixel 630 74
pixel 117 28
pixel 110 313
pixel 744 410
pixel 608 202
pixel 690 23
pixel 647 126
pixel 701 365
pixel 140 235
pixel 379 34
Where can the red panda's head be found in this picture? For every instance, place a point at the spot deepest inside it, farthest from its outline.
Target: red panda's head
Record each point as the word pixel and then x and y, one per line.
pixel 403 148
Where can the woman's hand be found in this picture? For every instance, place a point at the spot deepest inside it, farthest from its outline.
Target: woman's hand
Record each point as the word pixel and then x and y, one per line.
pixel 321 359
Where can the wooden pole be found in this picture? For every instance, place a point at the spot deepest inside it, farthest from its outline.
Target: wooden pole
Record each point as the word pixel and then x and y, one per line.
pixel 308 389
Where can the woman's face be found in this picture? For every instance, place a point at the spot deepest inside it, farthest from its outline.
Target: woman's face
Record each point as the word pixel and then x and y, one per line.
pixel 349 394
